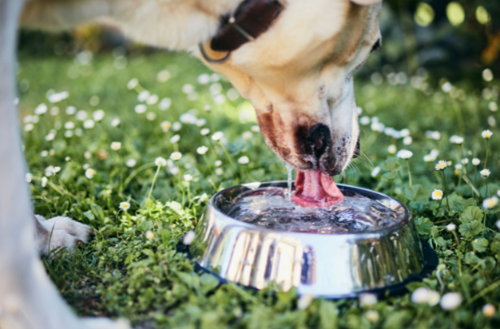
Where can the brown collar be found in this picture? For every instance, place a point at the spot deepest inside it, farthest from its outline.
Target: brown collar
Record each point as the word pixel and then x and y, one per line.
pixel 251 19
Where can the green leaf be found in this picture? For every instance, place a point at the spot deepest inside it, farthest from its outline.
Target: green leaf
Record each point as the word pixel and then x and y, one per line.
pixel 388 177
pixel 208 283
pixel 391 164
pixel 458 204
pixel 480 244
pixel 470 230
pixel 418 194
pixel 98 212
pixel 470 214
pixel 176 206
pixel 89 215
pixel 472 259
pixel 424 225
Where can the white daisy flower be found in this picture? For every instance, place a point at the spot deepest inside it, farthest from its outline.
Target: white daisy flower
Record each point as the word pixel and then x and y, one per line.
pixel 201 122
pixel 205 131
pixel 153 99
pixel 151 116
pixel 70 110
pixel 489 310
pixel 115 146
pixel 392 149
pixel 173 170
pixel 29 127
pixel 69 125
pixel 143 95
pixel 41 109
pixel 188 177
pixel 166 125
pixel 485 173
pixel 404 154
pixel 367 299
pixel 175 139
pixel 207 107
pixel 150 235
pixel 429 158
pixel 490 202
pixel 372 315
pixel 68 133
pixel 247 135
pixel 131 163
pixel 217 135
pixel 493 106
pixel 98 115
pixel 451 227
pixel 44 153
pixel 456 140
pixel 218 163
pixel 202 150
pixel 375 171
pixel 405 132
pixel 165 104
pixel 88 124
pixel 28 177
pixel 451 300
pixel 132 83
pixel 364 120
pixel 304 301
pixel 243 160
pixel 141 108
pixel 219 171
pixel 176 126
pixel 407 140
pixel 45 180
pixel 124 206
pixel 115 122
pixel 476 161
pixel 437 195
pixel 176 156
pixel 189 238
pixel 486 134
pixel 255 129
pixel 160 162
pixel 420 295
pixel 464 161
pixel 433 298
pixel 89 173
pixel 441 165
pixel 81 115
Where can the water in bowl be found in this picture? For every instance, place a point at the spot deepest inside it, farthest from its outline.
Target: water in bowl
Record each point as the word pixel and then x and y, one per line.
pixel 271 208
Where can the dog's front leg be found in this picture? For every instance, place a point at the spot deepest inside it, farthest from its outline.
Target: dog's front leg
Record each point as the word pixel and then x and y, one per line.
pixel 27 297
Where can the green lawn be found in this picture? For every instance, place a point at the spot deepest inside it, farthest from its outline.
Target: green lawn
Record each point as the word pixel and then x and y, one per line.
pixel 131 268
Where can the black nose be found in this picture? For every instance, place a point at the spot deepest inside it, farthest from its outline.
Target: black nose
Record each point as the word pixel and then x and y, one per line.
pixel 318 139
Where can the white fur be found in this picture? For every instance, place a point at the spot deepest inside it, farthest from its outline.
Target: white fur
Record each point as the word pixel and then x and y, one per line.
pixel 62 232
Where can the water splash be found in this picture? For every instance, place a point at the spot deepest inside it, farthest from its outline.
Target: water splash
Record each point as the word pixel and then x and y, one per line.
pixel 271 208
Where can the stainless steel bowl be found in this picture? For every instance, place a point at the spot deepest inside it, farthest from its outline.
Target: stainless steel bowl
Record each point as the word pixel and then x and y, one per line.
pixel 328 265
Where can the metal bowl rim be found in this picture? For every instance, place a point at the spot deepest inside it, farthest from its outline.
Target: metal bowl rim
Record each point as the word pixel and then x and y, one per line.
pixel 366 235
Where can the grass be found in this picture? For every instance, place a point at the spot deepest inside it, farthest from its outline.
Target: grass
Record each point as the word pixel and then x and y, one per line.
pixel 131 268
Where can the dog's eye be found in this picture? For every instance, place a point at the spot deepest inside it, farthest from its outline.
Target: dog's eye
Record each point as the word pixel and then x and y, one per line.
pixel 376 46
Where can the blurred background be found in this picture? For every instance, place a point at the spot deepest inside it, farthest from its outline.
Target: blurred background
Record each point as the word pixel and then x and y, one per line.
pixel 438 40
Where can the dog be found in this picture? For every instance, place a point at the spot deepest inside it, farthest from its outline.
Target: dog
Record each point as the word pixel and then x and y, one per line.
pixel 292 59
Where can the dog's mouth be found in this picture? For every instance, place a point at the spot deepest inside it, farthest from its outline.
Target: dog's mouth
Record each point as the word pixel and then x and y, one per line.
pixel 315 189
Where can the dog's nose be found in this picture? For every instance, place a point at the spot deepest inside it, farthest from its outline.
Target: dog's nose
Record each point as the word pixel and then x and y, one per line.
pixel 318 139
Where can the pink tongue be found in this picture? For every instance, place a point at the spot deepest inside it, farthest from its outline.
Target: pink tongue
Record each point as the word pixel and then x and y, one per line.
pixel 314 190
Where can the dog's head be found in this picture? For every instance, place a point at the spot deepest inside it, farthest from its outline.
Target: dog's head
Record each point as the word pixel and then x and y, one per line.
pixel 298 75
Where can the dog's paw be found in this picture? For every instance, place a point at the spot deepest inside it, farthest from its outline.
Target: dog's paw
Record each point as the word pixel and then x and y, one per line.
pixel 60 232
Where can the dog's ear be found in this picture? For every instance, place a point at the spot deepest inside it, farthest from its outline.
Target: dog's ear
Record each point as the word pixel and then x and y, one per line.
pixel 365 2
